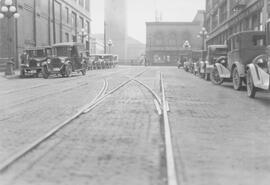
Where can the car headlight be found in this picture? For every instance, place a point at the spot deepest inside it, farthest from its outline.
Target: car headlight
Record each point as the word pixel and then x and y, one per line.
pixel 38 64
pixel 49 61
pixel 62 61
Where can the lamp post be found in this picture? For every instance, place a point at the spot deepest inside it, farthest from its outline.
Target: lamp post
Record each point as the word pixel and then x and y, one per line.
pixel 8 10
pixel 203 35
pixel 82 34
pixel 110 43
pixel 186 45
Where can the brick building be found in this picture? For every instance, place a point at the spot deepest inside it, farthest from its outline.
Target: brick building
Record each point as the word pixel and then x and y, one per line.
pixel 225 17
pixel 164 40
pixel 44 22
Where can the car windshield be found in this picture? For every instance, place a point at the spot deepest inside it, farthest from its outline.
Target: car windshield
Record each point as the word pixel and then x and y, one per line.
pixel 36 53
pixel 220 51
pixel 62 51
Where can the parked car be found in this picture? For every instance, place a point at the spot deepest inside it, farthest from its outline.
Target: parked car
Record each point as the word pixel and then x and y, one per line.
pixel 32 59
pixel 258 72
pixel 243 47
pixel 214 53
pixel 67 58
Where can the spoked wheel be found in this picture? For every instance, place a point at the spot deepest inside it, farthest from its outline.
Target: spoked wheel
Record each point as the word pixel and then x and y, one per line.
pixel 251 89
pixel 22 73
pixel 45 72
pixel 215 78
pixel 84 68
pixel 237 81
pixel 207 76
pixel 68 70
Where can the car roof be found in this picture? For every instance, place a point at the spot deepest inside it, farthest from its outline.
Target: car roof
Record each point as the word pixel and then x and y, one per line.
pixel 38 48
pixel 247 33
pixel 68 44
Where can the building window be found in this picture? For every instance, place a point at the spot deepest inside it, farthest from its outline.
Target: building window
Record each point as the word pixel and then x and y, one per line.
pixel 88 27
pixel 74 20
pixel 223 12
pixel 67 15
pixel 81 2
pixel 67 37
pixel 87 5
pixel 81 23
pixel 74 38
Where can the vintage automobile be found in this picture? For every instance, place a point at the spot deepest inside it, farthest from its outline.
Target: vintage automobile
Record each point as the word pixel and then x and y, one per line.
pixel 32 58
pixel 243 47
pixel 196 62
pixel 214 53
pixel 67 58
pixel 97 61
pixel 258 72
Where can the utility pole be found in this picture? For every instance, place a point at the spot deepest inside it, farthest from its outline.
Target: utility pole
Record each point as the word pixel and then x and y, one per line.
pixel 105 38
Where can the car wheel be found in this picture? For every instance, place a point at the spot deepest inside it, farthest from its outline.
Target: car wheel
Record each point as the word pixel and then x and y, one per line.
pixel 22 73
pixel 68 70
pixel 207 76
pixel 237 81
pixel 45 72
pixel 251 89
pixel 215 78
pixel 84 68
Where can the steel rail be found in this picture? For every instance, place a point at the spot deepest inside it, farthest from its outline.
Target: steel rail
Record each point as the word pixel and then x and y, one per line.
pixel 171 170
pixel 14 158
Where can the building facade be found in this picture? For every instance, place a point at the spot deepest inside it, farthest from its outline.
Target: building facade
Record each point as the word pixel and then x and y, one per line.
pixel 165 40
pixel 116 27
pixel 225 17
pixel 45 22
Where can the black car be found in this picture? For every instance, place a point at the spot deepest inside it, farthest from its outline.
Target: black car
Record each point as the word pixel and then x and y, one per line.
pixel 67 58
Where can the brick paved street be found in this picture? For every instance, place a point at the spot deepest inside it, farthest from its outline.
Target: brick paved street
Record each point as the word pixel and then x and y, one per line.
pixel 220 136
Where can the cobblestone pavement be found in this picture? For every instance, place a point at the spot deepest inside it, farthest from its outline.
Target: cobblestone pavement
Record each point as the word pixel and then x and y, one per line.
pixel 30 107
pixel 118 143
pixel 220 136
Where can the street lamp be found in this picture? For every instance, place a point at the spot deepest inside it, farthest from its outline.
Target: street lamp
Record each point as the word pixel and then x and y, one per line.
pixel 110 43
pixel 203 35
pixel 8 9
pixel 83 34
pixel 186 45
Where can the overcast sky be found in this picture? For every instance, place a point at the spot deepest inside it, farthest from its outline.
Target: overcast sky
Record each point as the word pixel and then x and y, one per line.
pixel 141 11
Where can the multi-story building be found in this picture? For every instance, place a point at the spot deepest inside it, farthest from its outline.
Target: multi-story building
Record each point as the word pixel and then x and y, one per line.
pixel 116 27
pixel 45 22
pixel 225 17
pixel 165 40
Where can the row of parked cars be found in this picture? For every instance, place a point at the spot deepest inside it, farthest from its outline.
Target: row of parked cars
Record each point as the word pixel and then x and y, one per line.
pixel 63 59
pixel 244 60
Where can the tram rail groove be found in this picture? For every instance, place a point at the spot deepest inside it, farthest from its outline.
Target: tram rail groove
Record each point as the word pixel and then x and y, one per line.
pixel 170 163
pixel 90 106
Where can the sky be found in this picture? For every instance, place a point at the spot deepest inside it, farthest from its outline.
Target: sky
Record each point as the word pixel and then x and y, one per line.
pixel 141 11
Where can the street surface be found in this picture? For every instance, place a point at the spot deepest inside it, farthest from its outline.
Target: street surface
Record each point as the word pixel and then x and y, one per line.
pixel 219 135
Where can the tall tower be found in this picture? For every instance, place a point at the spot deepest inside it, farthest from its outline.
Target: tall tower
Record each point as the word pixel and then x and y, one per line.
pixel 116 26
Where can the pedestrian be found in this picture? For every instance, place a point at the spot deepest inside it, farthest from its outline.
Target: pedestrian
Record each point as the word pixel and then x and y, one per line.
pixel 178 63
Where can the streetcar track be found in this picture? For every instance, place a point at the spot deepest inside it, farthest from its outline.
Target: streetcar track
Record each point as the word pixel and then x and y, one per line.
pixel 45 95
pixel 170 163
pixel 90 106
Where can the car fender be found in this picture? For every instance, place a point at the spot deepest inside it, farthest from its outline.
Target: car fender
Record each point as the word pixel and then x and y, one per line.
pixel 261 79
pixel 223 71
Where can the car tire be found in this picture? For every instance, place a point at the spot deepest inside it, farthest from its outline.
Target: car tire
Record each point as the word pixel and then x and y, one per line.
pixel 215 78
pixel 45 72
pixel 207 76
pixel 68 70
pixel 84 69
pixel 22 73
pixel 251 89
pixel 237 81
